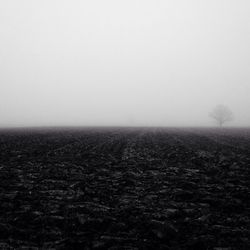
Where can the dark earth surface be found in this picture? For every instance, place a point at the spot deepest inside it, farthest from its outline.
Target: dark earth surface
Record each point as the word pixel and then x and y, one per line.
pixel 125 188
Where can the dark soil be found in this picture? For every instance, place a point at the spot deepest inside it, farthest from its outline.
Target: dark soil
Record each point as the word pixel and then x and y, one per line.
pixel 117 188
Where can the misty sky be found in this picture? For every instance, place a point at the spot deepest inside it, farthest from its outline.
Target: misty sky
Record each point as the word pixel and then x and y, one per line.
pixel 114 62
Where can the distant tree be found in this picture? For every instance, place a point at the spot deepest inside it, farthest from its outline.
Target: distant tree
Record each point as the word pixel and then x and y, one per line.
pixel 221 114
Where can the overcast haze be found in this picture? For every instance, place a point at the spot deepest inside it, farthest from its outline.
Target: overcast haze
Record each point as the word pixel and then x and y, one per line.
pixel 133 62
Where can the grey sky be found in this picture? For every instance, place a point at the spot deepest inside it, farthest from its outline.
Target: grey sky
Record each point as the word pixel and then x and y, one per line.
pixel 114 62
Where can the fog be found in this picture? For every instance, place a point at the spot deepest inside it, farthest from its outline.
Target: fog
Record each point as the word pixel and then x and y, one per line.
pixel 125 63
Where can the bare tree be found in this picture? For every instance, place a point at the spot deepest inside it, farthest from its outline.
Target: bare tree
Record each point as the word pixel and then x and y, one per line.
pixel 222 114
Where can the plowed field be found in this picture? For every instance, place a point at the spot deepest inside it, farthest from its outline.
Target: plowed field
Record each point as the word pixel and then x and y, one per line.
pixel 125 188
